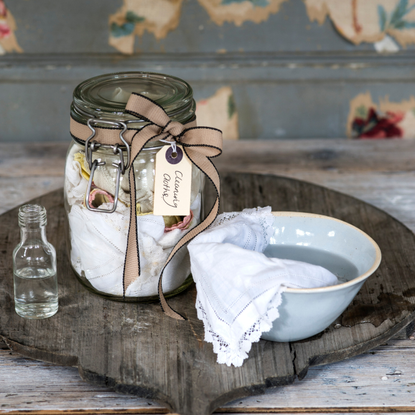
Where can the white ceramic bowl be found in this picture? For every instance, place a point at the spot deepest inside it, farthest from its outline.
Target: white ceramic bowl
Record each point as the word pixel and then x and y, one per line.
pixel 341 248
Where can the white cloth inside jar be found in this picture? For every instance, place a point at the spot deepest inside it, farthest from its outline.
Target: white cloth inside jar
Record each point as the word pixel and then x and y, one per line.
pixel 99 240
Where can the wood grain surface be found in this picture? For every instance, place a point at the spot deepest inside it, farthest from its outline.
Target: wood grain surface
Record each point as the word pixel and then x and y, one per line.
pixel 381 172
pixel 381 380
pixel 135 349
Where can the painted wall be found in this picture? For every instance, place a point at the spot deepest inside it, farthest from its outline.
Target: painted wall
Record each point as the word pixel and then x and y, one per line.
pixel 259 68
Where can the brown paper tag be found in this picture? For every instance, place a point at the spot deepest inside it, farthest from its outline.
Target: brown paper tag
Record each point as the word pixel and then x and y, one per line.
pixel 173 182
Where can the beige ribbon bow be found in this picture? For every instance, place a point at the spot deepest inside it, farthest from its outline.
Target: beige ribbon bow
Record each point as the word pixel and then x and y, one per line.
pixel 200 145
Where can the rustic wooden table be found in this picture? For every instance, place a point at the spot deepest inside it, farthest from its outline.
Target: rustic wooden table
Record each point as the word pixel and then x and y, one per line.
pixel 383 380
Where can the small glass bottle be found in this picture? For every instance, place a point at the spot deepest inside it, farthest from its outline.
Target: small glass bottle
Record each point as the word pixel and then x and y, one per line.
pixel 34 267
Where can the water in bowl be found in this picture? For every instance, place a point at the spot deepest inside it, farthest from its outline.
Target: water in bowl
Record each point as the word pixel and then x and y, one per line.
pixel 342 268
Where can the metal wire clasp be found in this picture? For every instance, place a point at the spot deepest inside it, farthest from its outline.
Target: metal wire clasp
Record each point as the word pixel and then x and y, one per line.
pixel 90 147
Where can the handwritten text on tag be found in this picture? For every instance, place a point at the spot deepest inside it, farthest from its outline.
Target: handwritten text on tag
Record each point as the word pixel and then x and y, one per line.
pixel 173 182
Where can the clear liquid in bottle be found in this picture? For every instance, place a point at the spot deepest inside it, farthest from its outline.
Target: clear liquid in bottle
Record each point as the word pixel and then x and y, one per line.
pixel 34 267
pixel 35 293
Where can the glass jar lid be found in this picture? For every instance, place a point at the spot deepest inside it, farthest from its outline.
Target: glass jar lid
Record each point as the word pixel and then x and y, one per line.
pixel 105 96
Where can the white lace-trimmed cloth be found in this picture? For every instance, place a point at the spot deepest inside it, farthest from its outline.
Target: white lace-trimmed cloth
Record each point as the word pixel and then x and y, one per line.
pixel 238 288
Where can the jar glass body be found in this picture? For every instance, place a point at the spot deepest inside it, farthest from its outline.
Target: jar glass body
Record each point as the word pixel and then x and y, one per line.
pixel 97 241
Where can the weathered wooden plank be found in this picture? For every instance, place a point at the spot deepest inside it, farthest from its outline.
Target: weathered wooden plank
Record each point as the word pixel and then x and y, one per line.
pixel 279 156
pixel 393 193
pixel 383 378
pixel 258 81
pixel 58 388
pixel 356 384
pixel 354 410
pixel 32 159
pixel 20 190
pixel 255 156
pixel 379 172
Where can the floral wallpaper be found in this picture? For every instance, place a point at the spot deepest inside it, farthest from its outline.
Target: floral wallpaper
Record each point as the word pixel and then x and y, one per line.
pixel 219 111
pixel 367 20
pixel 389 24
pixel 240 11
pixel 384 120
pixel 8 41
pixel 158 17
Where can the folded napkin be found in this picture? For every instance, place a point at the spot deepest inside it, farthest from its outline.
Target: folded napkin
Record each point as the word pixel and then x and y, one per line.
pixel 238 287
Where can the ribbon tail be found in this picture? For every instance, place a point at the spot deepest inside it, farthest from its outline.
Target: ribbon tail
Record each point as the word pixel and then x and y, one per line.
pixel 208 168
pixel 132 255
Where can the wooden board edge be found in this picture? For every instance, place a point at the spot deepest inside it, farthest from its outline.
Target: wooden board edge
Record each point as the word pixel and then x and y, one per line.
pixel 150 411
pixel 38 354
pixel 139 391
pixel 155 395
pixel 132 411
pixel 253 390
pixel 355 350
pixel 320 410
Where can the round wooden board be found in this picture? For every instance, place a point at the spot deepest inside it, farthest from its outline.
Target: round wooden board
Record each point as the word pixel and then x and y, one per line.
pixel 138 350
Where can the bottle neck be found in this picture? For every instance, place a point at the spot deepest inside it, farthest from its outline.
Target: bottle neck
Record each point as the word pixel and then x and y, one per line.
pixel 33 233
pixel 32 222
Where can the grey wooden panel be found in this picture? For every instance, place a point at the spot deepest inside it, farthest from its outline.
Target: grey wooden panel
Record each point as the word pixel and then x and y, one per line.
pixel 276 96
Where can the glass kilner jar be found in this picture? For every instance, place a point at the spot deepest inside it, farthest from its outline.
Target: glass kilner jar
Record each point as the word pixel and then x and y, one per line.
pixel 97 190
